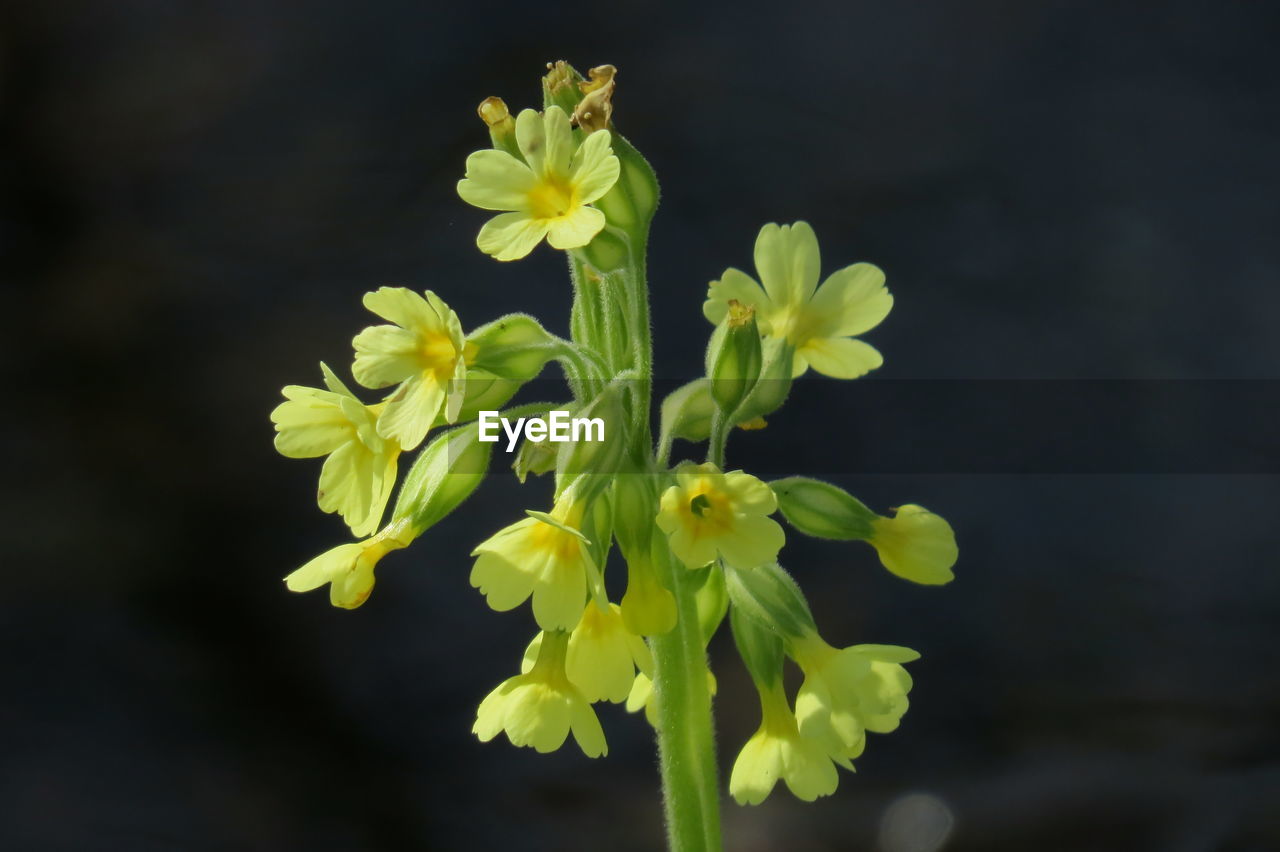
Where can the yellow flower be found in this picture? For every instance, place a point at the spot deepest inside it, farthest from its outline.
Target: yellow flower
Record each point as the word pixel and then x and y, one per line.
pixel 849 691
pixel 916 545
pixel 540 707
pixel 548 194
pixel 820 324
pixel 424 353
pixel 779 750
pixel 545 556
pixel 348 568
pixel 360 471
pixel 603 655
pixel 708 512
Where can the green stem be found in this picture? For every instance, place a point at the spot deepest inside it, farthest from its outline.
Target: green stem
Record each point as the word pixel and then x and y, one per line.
pixel 686 735
pixel 720 427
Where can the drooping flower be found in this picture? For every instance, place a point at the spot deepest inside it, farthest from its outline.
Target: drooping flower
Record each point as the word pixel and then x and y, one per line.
pixel 708 513
pixel 424 353
pixel 819 322
pixel 348 568
pixel 916 545
pixel 360 472
pixel 540 707
pixel 603 655
pixel 548 194
pixel 545 556
pixel 779 750
pixel 849 691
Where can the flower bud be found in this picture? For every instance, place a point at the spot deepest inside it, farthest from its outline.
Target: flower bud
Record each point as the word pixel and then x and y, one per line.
pixel 687 411
pixel 536 457
pixel 502 127
pixel 770 391
pixel 734 359
pixel 600 446
pixel 759 647
pixel 515 346
pixel 768 595
pixel 916 545
pixel 442 477
pixel 823 510
pixel 560 86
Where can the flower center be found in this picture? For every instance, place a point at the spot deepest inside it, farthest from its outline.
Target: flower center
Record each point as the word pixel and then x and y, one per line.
pixel 437 354
pixel 552 198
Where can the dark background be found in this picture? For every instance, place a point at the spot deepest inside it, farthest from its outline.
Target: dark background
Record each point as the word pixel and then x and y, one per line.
pixel 194 196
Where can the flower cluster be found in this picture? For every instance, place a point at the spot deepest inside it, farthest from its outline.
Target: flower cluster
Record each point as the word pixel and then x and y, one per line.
pixel 699 544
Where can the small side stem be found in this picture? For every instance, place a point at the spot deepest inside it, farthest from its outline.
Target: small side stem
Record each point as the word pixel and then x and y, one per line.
pixel 686 735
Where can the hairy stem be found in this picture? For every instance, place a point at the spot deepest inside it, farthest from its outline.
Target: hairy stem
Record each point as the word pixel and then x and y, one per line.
pixel 686 735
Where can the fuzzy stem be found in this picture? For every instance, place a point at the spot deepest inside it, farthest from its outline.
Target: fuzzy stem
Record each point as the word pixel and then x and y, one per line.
pixel 686 734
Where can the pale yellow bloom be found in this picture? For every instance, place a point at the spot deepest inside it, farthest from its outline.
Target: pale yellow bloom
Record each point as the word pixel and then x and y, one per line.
pixel 548 194
pixel 540 707
pixel 545 557
pixel 708 513
pixel 778 750
pixel 423 353
pixel 360 472
pixel 348 568
pixel 818 321
pixel 916 545
pixel 849 691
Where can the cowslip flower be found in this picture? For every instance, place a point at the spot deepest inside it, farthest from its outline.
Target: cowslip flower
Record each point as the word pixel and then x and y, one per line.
pixel 848 691
pixel 547 195
pixel 541 706
pixel 818 321
pixel 543 556
pixel 708 513
pixel 424 353
pixel 358 476
pixel 779 750
pixel 348 568
pixel 603 655
pixel 916 544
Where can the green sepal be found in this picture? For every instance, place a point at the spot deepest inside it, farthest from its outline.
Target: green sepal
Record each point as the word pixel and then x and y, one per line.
pixel 687 411
pixel 712 599
pixel 771 390
pixel 547 519
pixel 823 510
pixel 515 346
pixel 734 359
pixel 598 459
pixel 442 477
pixel 759 647
pixel 769 596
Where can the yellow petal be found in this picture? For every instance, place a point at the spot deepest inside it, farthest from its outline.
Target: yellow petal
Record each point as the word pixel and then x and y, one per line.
pixel 840 357
pixel 788 262
pixel 851 301
pixel 411 410
pixel 733 284
pixel 576 229
pixel 594 169
pixel 510 236
pixel 496 181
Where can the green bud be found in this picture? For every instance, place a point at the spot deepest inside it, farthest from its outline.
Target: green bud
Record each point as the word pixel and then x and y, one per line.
pixel 536 457
pixel 502 127
pixel 687 411
pixel 484 392
pixel 712 600
pixel 759 647
pixel 823 510
pixel 768 595
pixel 735 360
pixel 442 477
pixel 560 87
pixel 515 346
pixel 770 391
pixel 635 502
pixel 599 446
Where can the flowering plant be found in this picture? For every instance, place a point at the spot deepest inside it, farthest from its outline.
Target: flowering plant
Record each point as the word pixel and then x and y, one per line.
pixel 698 543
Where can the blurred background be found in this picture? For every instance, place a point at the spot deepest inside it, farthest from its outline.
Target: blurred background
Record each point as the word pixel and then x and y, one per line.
pixel 194 196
